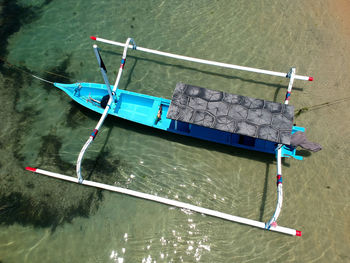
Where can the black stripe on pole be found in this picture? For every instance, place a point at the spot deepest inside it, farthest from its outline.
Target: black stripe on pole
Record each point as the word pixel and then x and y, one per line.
pixel 102 65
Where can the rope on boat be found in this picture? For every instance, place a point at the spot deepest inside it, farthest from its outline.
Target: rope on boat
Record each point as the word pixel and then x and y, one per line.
pixel 31 74
pixel 42 79
pixel 319 106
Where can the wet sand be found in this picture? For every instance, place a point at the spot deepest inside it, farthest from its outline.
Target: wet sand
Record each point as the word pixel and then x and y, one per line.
pixel 341 13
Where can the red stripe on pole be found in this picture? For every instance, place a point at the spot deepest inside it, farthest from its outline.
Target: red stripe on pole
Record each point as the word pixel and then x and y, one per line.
pixel 311 78
pixel 93 38
pixel 298 233
pixel 94 134
pixel 31 169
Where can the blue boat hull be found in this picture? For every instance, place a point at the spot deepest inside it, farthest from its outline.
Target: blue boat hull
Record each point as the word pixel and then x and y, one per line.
pixel 145 109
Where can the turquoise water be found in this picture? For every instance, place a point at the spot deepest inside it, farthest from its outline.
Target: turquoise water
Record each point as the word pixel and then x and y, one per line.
pixel 45 220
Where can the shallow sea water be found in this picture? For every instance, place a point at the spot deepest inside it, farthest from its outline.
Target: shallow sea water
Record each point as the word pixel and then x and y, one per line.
pixel 45 220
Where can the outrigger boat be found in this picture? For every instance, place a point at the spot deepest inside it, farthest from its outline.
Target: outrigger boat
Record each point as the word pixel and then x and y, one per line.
pixel 216 116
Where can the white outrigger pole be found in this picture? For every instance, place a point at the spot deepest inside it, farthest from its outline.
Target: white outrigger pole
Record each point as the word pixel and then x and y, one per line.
pixel 202 61
pixel 270 225
pixel 170 202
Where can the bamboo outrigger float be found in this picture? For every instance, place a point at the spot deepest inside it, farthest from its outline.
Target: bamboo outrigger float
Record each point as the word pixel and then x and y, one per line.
pixel 197 112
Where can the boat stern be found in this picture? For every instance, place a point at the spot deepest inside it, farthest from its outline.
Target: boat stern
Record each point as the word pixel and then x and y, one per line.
pixel 290 151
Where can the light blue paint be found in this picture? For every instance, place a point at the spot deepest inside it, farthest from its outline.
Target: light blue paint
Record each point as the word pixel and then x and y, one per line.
pixel 143 109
